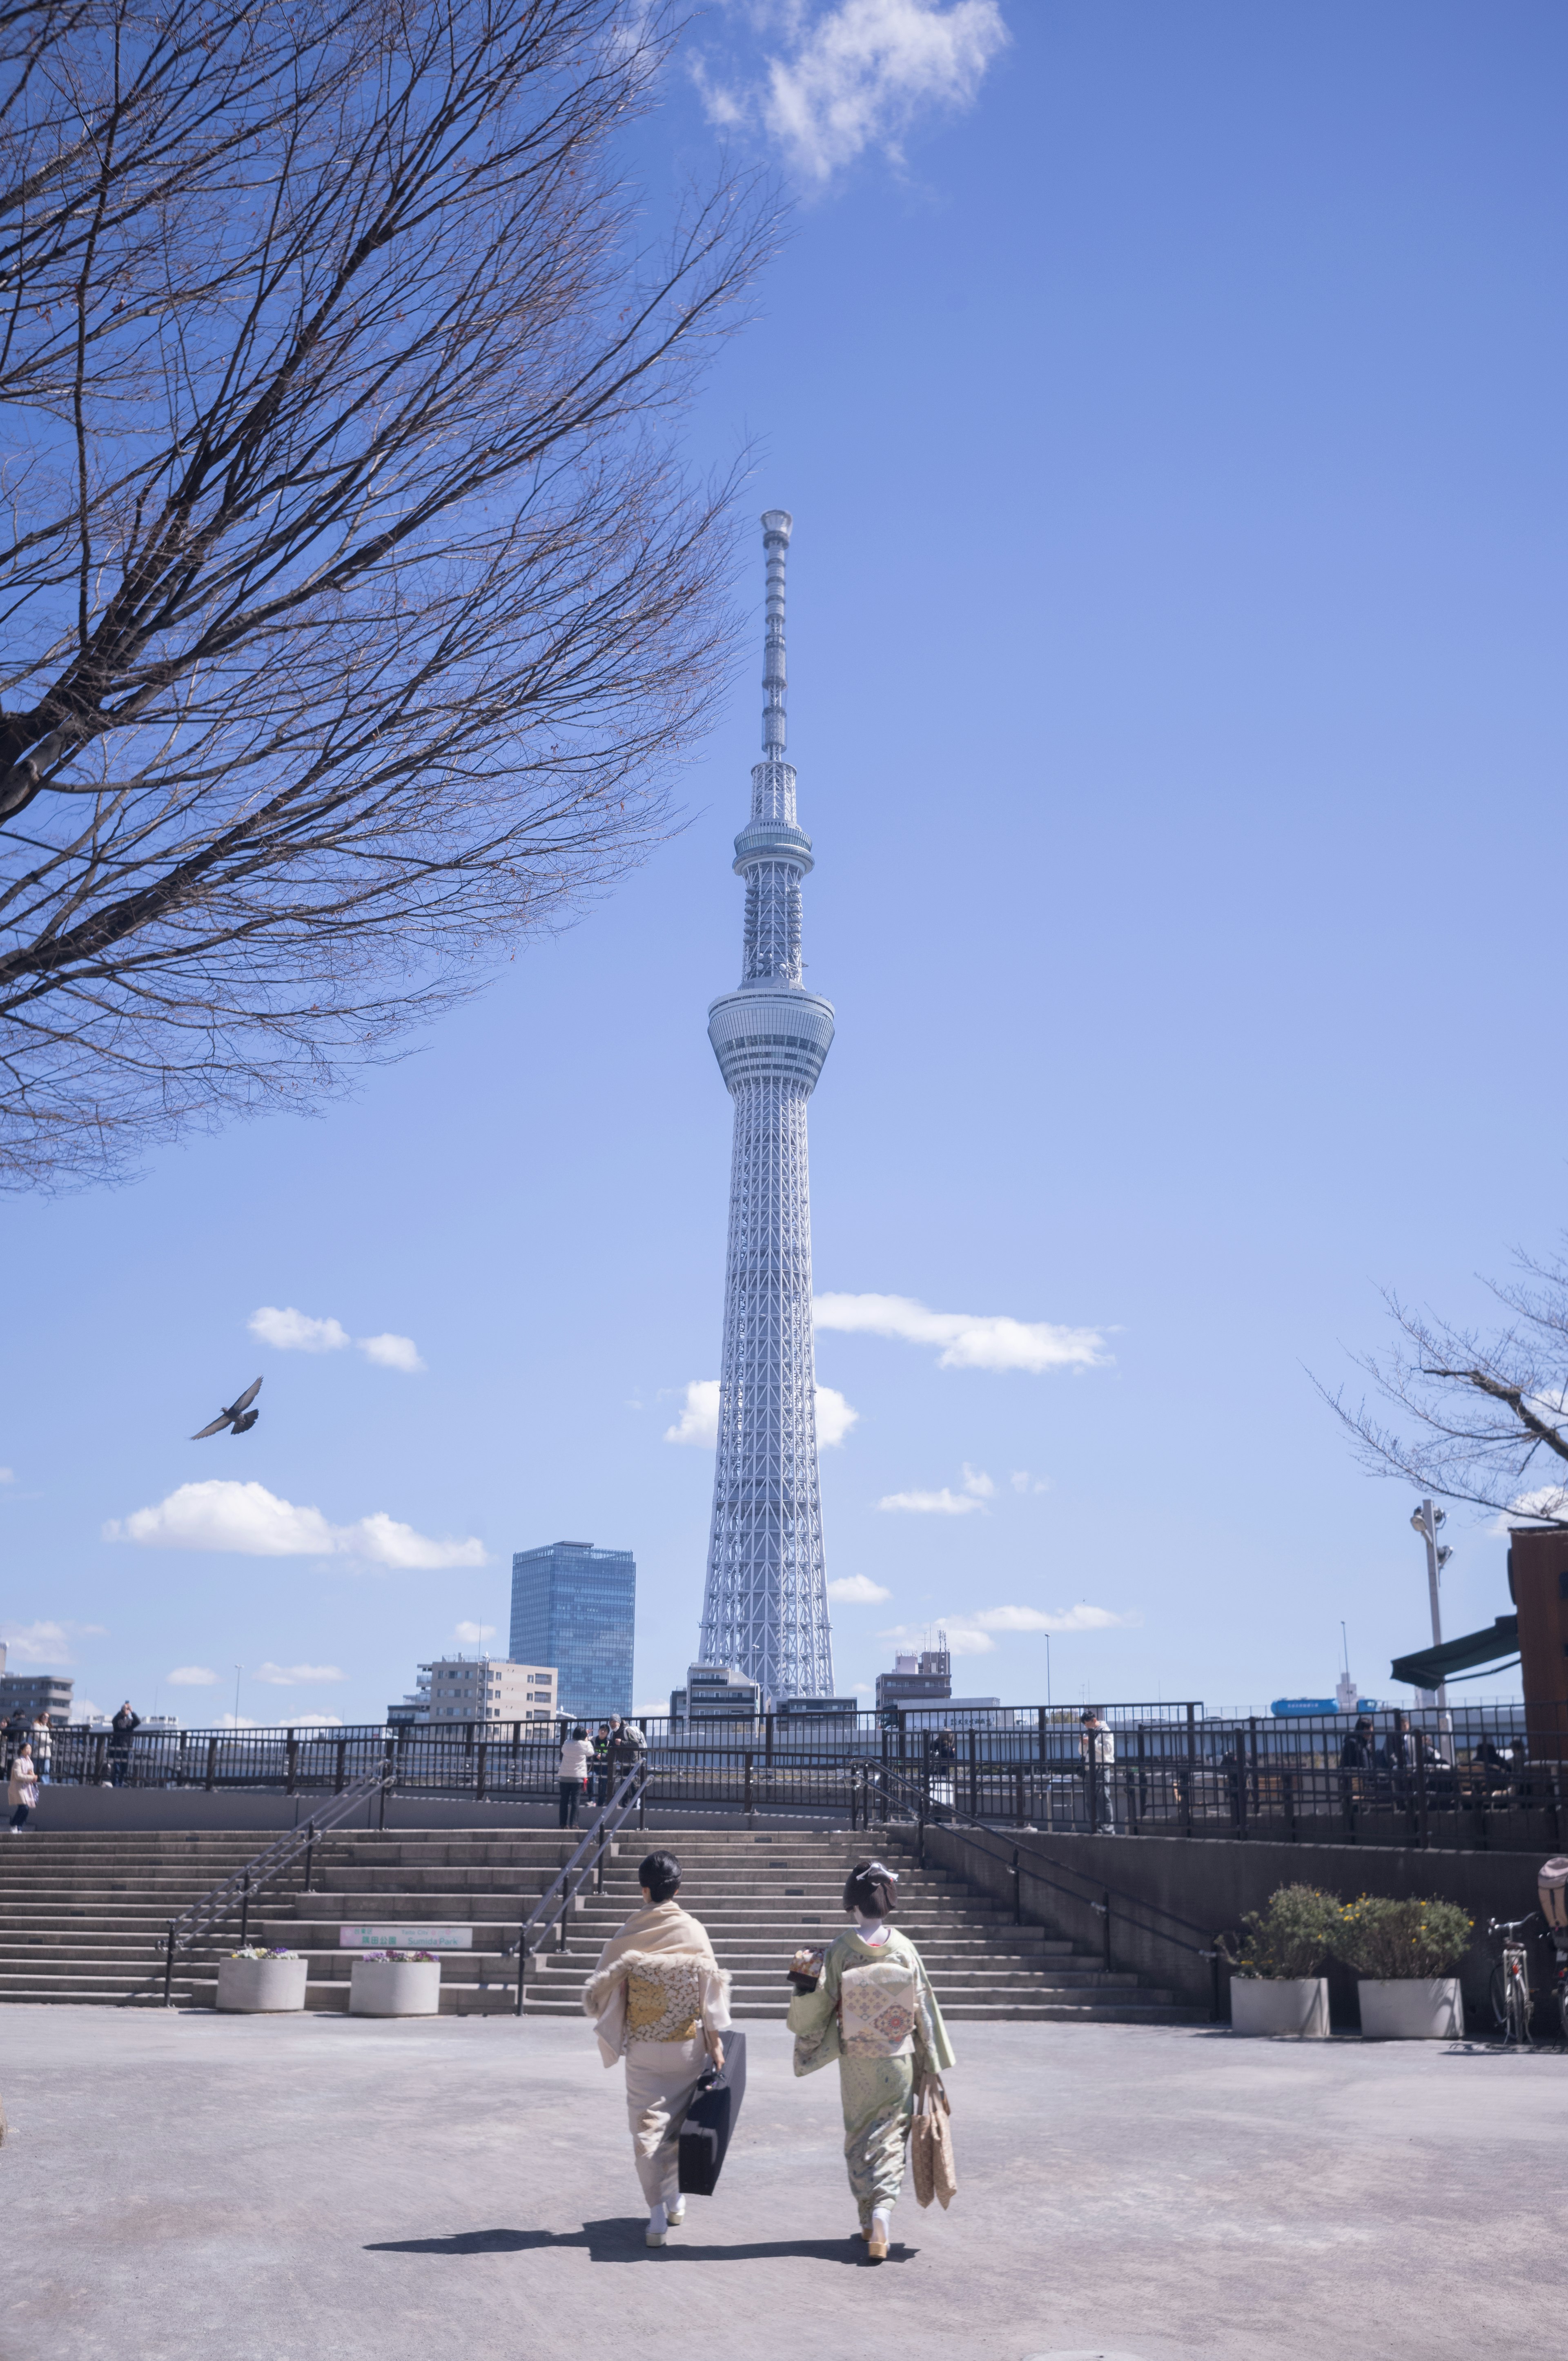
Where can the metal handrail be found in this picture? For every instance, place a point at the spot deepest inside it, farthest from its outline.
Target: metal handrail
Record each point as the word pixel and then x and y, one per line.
pixel 202 1914
pixel 553 1906
pixel 915 1788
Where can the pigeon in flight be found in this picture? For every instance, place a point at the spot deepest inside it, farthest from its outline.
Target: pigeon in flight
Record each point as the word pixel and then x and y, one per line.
pixel 239 1415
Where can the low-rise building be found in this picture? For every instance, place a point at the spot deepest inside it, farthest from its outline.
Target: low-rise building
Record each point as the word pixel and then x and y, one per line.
pixel 716 1693
pixel 35 1693
pixel 487 1688
pixel 923 1679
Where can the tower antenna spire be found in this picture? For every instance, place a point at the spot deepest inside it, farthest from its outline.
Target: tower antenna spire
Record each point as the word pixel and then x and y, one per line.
pixel 777 526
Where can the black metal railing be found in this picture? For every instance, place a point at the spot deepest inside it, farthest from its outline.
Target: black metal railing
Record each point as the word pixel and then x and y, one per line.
pixel 208 1912
pixel 555 1905
pixel 1469 1777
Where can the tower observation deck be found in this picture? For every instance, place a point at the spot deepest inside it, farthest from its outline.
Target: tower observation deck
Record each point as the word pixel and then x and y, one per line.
pixel 765 1602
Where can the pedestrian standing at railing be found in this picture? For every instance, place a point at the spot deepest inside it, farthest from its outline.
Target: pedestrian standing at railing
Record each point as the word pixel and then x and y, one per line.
pixel 576 1754
pixel 1357 1761
pixel 15 1734
pixel 22 1789
pixel 868 2004
pixel 626 1744
pixel 122 1729
pixel 660 1999
pixel 1098 1748
pixel 42 1747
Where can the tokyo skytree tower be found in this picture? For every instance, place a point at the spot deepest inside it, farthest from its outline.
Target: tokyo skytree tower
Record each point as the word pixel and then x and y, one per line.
pixel 765 1608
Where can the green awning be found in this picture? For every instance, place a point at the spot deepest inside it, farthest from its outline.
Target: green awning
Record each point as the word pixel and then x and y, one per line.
pixel 1429 1666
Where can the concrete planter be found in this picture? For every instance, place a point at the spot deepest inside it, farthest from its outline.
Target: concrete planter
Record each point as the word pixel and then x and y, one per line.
pixel 1411 2008
pixel 395 1988
pixel 261 1985
pixel 1297 2006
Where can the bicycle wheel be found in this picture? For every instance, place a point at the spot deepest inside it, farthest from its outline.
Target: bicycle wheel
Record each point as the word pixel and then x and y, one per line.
pixel 1498 1992
pixel 1519 2011
pixel 1562 2007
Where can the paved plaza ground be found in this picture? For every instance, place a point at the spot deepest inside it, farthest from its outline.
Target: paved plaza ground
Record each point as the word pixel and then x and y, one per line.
pixel 329 2189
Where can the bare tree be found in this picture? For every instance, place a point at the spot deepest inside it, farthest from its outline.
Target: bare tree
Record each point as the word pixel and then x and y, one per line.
pixel 356 602
pixel 1485 1420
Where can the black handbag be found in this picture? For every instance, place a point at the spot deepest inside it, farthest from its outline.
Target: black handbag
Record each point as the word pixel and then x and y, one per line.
pixel 711 2118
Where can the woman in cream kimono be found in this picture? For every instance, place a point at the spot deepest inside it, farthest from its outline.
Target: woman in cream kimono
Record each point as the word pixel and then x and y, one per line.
pixel 659 1999
pixel 872 2007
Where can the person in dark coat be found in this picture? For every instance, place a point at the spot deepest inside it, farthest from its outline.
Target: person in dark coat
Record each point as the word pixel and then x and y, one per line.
pixel 122 1729
pixel 1358 1763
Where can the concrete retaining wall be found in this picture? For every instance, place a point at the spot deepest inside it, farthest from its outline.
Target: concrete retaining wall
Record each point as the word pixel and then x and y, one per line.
pixel 1212 1883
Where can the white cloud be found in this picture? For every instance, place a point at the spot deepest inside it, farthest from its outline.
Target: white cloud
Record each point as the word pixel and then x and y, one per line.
pixel 473 1635
pixel 288 1330
pixel 295 1332
pixel 834 1417
pixel 931 1504
pixel 978 1482
pixel 309 1722
pixel 191 1677
pixel 699 1422
pixel 393 1353
pixel 233 1721
pixel 7 1475
pixel 1547 1504
pixel 1081 1617
pixel 857 1590
pixel 253 1523
pixel 857 75
pixel 297 1677
pixel 969 1340
pixel 46 1643
pixel 83 1710
pixel 964 1636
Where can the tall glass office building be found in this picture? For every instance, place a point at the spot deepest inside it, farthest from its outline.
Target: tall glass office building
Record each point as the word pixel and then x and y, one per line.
pixel 575 1606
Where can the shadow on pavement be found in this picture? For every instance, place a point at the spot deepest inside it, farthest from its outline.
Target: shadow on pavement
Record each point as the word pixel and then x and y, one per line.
pixel 622 2242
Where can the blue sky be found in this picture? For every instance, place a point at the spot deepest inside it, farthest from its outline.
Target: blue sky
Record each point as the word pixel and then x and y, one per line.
pixel 1169 405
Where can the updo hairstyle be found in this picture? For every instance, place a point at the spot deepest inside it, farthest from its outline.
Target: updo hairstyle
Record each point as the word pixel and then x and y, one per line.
pixel 661 1873
pixel 871 1888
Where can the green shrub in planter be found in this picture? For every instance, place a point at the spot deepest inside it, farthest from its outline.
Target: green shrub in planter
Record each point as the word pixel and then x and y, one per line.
pixel 1293 1937
pixel 1385 1940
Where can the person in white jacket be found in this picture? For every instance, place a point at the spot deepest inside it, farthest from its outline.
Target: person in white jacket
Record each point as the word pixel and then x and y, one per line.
pixel 576 1754
pixel 659 1999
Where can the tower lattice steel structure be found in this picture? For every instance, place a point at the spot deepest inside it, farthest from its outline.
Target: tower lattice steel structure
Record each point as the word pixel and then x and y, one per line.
pixel 765 1604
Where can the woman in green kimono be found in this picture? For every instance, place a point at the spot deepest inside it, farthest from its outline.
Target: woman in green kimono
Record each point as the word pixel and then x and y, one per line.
pixel 868 2004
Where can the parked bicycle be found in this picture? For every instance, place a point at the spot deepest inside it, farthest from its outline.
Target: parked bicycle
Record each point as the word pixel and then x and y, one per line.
pixel 1510 1981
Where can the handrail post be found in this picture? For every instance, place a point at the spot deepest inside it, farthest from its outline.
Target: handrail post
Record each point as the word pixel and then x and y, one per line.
pixel 750 1806
pixel 521 1964
pixel 310 1853
pixel 1106 1894
pixel 1017 1891
pixel 1191 1768
pixel 211 1764
pixel 245 1910
pixel 291 1764
pixel 168 1968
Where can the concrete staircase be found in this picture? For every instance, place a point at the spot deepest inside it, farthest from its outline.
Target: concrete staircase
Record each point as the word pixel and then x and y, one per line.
pixel 82 1918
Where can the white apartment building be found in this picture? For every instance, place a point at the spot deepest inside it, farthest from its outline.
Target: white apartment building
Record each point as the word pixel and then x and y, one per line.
pixel 487 1688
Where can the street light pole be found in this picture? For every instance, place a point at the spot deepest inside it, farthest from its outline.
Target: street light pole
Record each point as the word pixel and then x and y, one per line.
pixel 1426 1521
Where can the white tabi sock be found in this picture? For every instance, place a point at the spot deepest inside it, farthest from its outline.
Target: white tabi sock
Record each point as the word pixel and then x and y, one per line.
pixel 658 2221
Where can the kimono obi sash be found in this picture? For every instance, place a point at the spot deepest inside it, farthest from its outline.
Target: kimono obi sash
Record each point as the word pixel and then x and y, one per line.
pixel 878 2007
pixel 664 1999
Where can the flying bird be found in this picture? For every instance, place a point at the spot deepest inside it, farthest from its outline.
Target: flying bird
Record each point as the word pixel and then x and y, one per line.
pixel 238 1416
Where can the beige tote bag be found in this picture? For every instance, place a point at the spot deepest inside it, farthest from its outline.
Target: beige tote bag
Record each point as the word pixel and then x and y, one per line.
pixel 931 2145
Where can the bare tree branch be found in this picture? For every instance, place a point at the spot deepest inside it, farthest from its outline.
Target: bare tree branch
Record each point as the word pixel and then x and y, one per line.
pixel 357 606
pixel 1484 1421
